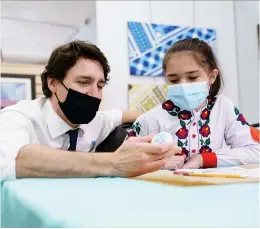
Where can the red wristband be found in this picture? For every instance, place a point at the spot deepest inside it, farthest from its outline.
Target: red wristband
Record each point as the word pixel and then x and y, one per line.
pixel 209 160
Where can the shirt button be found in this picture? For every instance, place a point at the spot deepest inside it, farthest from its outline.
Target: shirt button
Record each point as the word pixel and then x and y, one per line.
pixel 194 136
pixel 193 151
pixel 194 124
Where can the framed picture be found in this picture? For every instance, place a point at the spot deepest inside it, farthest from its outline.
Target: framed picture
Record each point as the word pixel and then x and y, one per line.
pixel 16 87
pixel 148 43
pixel 143 97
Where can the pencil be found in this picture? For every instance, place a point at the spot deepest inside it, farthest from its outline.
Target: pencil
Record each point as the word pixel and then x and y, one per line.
pixel 213 175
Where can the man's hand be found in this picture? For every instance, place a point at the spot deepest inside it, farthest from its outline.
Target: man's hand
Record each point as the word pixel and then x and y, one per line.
pixel 195 162
pixel 175 162
pixel 138 156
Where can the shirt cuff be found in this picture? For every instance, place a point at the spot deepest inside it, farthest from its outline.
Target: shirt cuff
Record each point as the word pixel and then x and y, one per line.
pixel 209 160
pixel 255 134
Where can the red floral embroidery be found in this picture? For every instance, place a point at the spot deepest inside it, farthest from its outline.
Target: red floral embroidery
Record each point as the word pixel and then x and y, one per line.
pixel 132 133
pixel 205 149
pixel 242 119
pixel 204 127
pixel 205 114
pixel 184 115
pixel 135 130
pixel 185 119
pixel 205 130
pixel 168 105
pixel 185 152
pixel 182 133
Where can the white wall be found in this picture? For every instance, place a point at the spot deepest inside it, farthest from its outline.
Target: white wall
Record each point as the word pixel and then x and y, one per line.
pixel 112 17
pixel 247 16
pixel 30 30
pixel 88 32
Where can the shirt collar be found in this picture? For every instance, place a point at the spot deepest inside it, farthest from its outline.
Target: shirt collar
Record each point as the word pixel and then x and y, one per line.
pixel 56 125
pixel 174 110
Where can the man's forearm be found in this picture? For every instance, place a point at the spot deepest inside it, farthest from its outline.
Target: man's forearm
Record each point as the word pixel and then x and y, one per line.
pixel 130 116
pixel 42 161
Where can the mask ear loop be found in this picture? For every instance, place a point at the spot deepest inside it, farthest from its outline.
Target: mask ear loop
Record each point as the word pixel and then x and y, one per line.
pixel 63 86
pixel 57 97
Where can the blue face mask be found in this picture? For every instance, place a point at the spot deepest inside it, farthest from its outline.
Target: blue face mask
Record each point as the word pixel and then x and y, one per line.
pixel 188 96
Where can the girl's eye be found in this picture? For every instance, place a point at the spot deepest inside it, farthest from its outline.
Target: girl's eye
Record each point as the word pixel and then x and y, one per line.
pixel 193 78
pixel 174 81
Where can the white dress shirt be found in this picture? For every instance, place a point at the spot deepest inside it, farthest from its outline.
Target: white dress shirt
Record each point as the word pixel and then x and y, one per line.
pixel 35 122
pixel 226 138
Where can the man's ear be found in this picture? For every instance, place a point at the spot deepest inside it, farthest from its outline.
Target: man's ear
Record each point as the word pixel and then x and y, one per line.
pixel 52 84
pixel 213 76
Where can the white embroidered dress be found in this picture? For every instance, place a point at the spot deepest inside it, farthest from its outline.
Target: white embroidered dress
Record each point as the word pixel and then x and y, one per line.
pixel 218 131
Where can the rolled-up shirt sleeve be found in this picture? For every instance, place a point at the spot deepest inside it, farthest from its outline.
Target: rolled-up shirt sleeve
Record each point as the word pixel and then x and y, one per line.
pixel 101 126
pixel 15 131
pixel 109 120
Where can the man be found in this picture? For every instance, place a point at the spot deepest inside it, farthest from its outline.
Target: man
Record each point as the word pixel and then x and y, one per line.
pixel 37 138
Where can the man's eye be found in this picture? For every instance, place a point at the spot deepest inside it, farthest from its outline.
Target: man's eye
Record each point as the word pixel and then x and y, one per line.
pixel 83 82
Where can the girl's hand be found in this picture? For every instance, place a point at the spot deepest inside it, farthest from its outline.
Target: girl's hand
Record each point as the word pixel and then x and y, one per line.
pixel 174 162
pixel 195 162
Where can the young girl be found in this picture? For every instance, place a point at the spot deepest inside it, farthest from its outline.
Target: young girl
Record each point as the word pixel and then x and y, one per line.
pixel 208 127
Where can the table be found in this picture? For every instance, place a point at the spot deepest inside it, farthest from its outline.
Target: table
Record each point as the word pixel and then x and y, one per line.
pixel 166 176
pixel 119 202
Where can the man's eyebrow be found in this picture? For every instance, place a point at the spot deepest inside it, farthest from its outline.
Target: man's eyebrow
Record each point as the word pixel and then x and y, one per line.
pixel 90 78
pixel 84 76
pixel 102 81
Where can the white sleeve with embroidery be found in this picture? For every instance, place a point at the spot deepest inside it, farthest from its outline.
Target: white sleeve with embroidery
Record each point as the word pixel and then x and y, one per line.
pixel 244 149
pixel 145 125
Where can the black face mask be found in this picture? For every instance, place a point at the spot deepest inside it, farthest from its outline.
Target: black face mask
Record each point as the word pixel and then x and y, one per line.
pixel 79 108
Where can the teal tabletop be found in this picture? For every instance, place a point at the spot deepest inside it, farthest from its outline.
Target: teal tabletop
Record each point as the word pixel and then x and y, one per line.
pixel 118 202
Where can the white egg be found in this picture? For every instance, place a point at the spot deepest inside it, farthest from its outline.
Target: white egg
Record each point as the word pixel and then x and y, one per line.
pixel 162 138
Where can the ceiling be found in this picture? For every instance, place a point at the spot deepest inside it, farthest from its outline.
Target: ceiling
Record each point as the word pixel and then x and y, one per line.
pixel 30 30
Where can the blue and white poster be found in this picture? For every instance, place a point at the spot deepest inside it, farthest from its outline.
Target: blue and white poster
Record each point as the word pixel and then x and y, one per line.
pixel 148 43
